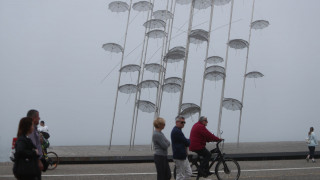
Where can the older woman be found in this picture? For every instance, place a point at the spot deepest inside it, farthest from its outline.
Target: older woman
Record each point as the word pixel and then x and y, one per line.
pixel 161 145
pixel 26 154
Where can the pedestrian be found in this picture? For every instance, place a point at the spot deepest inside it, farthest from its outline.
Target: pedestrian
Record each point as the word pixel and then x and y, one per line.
pixel 180 146
pixel 26 154
pixel 34 136
pixel 161 145
pixel 312 143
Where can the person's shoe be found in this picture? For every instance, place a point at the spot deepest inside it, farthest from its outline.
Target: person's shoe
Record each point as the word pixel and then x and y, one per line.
pixel 313 161
pixel 307 159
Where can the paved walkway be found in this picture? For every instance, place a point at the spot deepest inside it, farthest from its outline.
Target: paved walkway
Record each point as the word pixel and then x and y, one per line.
pixel 143 153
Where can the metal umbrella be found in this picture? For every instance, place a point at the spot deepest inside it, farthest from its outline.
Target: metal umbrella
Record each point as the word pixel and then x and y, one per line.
pixel 183 2
pixel 163 15
pixel 259 24
pixel 154 23
pixel 188 105
pixel 148 84
pixel 128 88
pixel 155 34
pixel 154 67
pixel 188 112
pixel 171 87
pixel 254 74
pixel 112 47
pixel 238 44
pixel 130 68
pixel 215 76
pixel 214 60
pixel 146 106
pixel 198 36
pixel 221 2
pixel 215 68
pixel 231 104
pixel 202 4
pixel 175 54
pixel 142 6
pixel 118 6
pixel 176 80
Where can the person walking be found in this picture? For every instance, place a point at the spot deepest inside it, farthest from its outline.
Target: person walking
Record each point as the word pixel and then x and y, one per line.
pixel 312 143
pixel 26 154
pixel 161 145
pixel 180 146
pixel 34 136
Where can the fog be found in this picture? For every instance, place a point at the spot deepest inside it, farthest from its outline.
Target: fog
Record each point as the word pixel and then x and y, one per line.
pixel 52 60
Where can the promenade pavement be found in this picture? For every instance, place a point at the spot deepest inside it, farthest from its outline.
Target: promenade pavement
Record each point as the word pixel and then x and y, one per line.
pixel 143 153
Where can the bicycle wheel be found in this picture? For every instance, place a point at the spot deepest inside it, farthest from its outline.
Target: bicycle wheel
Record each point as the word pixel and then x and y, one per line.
pixel 53 160
pixel 227 169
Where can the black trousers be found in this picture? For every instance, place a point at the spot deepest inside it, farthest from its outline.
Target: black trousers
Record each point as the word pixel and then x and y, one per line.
pixel 204 165
pixel 162 166
pixel 311 151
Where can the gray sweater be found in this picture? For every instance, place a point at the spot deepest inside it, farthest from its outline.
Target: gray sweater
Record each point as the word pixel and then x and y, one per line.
pixel 161 143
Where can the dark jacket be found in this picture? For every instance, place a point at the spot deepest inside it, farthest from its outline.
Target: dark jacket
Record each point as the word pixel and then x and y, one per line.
pixel 179 144
pixel 199 136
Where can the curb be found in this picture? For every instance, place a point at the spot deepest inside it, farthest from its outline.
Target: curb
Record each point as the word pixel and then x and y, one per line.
pixel 148 159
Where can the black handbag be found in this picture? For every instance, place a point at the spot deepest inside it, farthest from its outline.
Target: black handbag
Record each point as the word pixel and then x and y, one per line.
pixel 26 168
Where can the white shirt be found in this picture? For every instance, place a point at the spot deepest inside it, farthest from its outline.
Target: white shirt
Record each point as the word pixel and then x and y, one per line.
pixel 43 129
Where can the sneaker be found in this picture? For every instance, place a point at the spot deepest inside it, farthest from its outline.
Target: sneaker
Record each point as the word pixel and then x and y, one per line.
pixel 307 159
pixel 313 161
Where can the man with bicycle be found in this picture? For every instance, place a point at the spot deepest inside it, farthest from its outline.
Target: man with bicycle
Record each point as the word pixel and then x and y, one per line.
pixel 199 136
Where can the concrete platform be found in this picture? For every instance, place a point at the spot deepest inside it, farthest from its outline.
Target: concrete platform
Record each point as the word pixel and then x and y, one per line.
pixel 143 153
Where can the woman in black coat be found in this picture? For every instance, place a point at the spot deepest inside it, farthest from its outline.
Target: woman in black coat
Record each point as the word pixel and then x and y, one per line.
pixel 26 154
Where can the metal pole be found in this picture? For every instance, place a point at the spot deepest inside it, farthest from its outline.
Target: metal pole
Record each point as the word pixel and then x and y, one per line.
pixel 225 67
pixel 122 57
pixel 245 72
pixel 207 51
pixel 186 55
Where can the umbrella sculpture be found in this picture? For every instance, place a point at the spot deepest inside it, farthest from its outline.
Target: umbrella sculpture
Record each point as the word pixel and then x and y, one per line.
pixel 163 15
pixel 175 54
pixel 198 36
pixel 215 75
pixel 146 106
pixel 189 109
pixel 154 24
pixel 183 2
pixel 142 6
pixel 215 68
pixel 176 80
pixel 155 34
pixel 118 6
pixel 154 67
pixel 128 88
pixel 202 4
pixel 130 68
pixel 238 44
pixel 148 84
pixel 188 105
pixel 171 87
pixel 221 2
pixel 231 104
pixel 259 24
pixel 214 60
pixel 112 47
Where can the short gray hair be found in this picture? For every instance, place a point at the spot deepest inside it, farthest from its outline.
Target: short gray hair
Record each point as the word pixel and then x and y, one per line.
pixel 202 118
pixel 179 117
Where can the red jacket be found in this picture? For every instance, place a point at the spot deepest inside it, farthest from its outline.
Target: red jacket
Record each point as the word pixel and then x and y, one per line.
pixel 199 136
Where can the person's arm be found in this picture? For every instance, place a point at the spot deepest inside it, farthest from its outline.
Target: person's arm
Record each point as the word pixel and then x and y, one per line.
pixel 181 138
pixel 161 141
pixel 209 136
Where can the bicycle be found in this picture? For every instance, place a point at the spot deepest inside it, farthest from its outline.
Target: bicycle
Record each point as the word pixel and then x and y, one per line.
pixel 225 168
pixel 51 157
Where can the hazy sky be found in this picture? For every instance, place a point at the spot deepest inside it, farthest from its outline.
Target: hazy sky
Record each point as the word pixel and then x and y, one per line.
pixel 51 60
